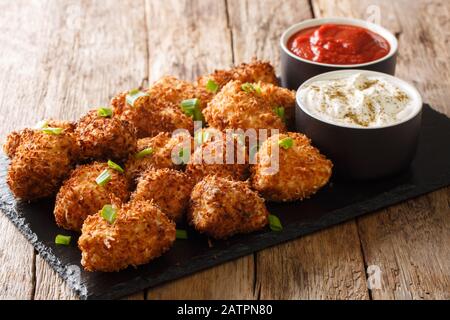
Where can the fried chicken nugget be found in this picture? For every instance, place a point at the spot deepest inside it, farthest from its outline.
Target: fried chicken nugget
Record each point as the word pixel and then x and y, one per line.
pixel 80 196
pixel 169 189
pixel 279 97
pixel 40 161
pixel 213 158
pixel 302 169
pixel 222 208
pixel 103 138
pixel 151 115
pixel 255 71
pixel 14 139
pixel 234 108
pixel 140 233
pixel 159 156
pixel 172 90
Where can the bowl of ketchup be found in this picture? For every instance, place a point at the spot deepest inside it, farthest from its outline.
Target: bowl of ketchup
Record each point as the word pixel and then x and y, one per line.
pixel 317 46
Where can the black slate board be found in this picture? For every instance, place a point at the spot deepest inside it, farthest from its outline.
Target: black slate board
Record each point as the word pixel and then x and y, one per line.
pixel 334 204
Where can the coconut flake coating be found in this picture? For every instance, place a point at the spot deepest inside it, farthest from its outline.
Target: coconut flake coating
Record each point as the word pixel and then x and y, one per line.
pixel 222 208
pixel 234 108
pixel 103 138
pixel 169 189
pixel 39 162
pixel 302 171
pixel 212 158
pixel 140 233
pixel 164 145
pixel 80 196
pixel 151 115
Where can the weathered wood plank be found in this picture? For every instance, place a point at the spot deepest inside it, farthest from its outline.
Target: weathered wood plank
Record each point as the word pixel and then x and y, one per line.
pixel 232 280
pixel 73 55
pixel 324 265
pixel 312 267
pixel 188 38
pixel 410 242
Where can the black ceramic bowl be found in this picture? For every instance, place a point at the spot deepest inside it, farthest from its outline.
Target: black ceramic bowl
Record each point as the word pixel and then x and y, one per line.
pixel 361 153
pixel 296 70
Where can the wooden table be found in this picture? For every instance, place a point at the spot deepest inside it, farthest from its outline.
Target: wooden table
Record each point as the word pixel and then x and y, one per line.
pixel 60 58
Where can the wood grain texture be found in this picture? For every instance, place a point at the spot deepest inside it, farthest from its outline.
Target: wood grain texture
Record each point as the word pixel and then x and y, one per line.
pixel 303 270
pixel 60 58
pixel 70 61
pixel 410 242
pixel 203 43
pixel 325 265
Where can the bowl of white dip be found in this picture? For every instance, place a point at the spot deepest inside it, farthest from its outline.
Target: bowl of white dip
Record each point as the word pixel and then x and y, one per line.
pixel 366 122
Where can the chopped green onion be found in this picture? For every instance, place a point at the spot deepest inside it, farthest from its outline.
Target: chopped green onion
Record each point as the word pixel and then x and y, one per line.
pixel 191 107
pixel 201 137
pixel 286 143
pixel 54 131
pixel 250 88
pixel 212 86
pixel 115 166
pixel 181 234
pixel 275 223
pixel 104 112
pixel 133 95
pixel 109 213
pixel 146 152
pixel 63 240
pixel 103 178
pixel 279 111
pixel 257 88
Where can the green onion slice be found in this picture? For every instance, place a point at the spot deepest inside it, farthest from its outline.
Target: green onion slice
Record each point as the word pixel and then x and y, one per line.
pixel 115 166
pixel 63 240
pixel 103 178
pixel 201 137
pixel 53 131
pixel 191 107
pixel 133 95
pixel 109 213
pixel 212 86
pixel 104 112
pixel 143 153
pixel 275 223
pixel 250 88
pixel 181 234
pixel 280 112
pixel 286 143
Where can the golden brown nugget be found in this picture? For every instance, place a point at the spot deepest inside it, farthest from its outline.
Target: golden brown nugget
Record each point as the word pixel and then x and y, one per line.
pixel 41 160
pixel 302 170
pixel 281 100
pixel 169 189
pixel 235 108
pixel 157 153
pixel 140 233
pixel 13 140
pixel 151 115
pixel 81 196
pixel 212 158
pixel 171 90
pixel 103 138
pixel 222 208
pixel 255 71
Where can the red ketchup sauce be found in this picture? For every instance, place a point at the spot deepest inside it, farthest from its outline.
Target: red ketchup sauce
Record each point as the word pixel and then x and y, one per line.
pixel 338 44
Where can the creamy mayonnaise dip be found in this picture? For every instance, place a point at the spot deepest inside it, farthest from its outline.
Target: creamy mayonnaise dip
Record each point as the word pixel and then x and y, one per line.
pixel 357 100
